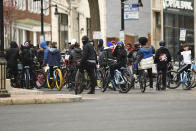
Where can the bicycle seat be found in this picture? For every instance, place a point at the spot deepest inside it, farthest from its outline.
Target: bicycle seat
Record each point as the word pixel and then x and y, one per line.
pixel 123 68
pixel 55 67
pixel 27 67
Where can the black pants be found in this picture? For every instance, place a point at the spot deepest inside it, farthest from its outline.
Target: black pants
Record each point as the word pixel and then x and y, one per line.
pixel 164 74
pixel 90 68
pixel 13 72
pixel 150 76
pixel 114 67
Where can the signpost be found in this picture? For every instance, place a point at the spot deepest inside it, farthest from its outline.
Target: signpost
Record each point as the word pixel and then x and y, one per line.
pixel 131 12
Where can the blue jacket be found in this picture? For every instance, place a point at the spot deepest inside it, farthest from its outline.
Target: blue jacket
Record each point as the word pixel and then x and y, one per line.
pixel 54 57
pixel 147 52
pixel 46 50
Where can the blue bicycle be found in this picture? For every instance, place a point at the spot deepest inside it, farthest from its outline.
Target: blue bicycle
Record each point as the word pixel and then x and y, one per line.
pixel 175 79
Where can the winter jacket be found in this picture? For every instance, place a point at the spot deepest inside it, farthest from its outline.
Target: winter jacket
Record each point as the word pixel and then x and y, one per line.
pixel 100 45
pixel 11 56
pixel 162 57
pixel 144 52
pixel 46 50
pixel 27 56
pixel 132 56
pixel 76 55
pixel 121 55
pixel 89 54
pixel 53 57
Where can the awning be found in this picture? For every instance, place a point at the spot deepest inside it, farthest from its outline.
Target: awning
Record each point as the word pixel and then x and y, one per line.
pixel 32 25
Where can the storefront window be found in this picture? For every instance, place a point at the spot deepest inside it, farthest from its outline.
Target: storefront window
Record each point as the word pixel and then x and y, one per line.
pixel 174 21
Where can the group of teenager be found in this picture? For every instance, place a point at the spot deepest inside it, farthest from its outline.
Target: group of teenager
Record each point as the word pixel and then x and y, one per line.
pixel 86 58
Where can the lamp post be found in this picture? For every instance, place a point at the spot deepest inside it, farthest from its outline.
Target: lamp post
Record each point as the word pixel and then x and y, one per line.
pixel 3 63
pixel 42 37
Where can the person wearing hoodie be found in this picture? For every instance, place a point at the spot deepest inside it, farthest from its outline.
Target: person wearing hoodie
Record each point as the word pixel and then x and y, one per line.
pixel 53 57
pixel 88 62
pixel 144 53
pixel 121 56
pixel 46 48
pixel 12 54
pixel 162 59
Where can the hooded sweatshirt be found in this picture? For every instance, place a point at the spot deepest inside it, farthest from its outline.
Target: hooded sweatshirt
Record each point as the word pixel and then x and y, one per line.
pixel 100 45
pixel 53 57
pixel 46 50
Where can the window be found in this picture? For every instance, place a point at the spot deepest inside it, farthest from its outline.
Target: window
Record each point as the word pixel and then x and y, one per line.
pixel 20 4
pixel 35 6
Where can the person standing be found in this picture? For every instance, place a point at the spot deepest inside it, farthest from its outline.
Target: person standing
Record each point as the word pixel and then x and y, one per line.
pixel 162 59
pixel 12 54
pixel 144 53
pixel 88 62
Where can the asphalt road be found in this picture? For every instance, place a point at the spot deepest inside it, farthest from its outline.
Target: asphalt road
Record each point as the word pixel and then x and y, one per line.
pixel 173 110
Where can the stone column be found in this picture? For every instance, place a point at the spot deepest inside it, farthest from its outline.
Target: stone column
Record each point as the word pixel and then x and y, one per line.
pixel 34 38
pixel 24 36
pixel 18 36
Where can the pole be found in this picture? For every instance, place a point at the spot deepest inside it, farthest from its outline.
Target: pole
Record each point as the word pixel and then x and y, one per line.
pixel 1 30
pixel 122 15
pixel 42 21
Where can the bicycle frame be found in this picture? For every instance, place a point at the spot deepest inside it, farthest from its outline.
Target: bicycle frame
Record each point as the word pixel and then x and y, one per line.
pixel 118 76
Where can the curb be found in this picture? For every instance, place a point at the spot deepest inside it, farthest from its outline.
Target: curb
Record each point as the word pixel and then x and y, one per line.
pixel 41 99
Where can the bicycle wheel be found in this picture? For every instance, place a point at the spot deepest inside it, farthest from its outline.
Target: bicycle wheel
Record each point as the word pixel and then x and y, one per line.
pixel 99 79
pixel 65 76
pixel 124 88
pixel 26 79
pixel 86 81
pixel 59 79
pixel 78 88
pixel 194 82
pixel 189 81
pixel 40 79
pixel 106 81
pixel 142 81
pixel 50 81
pixel 173 80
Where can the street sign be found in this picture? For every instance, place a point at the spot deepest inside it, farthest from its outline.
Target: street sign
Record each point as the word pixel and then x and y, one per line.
pixel 97 35
pixel 122 36
pixel 183 35
pixel 131 12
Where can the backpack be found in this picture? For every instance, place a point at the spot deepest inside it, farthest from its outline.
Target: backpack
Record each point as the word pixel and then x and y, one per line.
pixel 104 56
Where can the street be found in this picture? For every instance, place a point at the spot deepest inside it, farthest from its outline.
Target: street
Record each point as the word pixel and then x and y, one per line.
pixel 173 110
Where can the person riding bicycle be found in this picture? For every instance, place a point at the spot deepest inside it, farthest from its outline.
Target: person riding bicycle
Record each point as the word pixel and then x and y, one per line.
pixel 46 48
pixel 12 54
pixel 121 56
pixel 145 58
pixel 187 55
pixel 53 58
pixel 74 58
pixel 27 58
pixel 88 62
pixel 162 59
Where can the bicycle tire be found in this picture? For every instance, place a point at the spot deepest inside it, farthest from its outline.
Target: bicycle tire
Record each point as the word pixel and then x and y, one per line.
pixel 173 81
pixel 191 79
pixel 106 81
pixel 59 79
pixel 40 79
pixel 49 81
pixel 142 81
pixel 78 88
pixel 26 79
pixel 194 83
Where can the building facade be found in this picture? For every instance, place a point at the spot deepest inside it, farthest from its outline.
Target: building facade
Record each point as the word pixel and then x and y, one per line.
pixel 137 24
pixel 173 21
pixel 75 19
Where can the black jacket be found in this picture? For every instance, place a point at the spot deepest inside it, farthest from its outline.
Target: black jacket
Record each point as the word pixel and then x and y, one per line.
pixel 121 55
pixel 89 53
pixel 11 56
pixel 162 57
pixel 76 55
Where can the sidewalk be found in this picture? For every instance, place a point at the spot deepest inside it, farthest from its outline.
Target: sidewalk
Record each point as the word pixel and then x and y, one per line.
pixel 23 96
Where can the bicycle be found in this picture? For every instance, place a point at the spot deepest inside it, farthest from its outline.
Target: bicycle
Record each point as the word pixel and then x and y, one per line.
pixel 27 79
pixel 175 79
pixel 40 75
pixel 121 80
pixel 55 79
